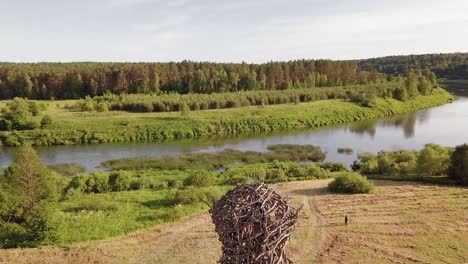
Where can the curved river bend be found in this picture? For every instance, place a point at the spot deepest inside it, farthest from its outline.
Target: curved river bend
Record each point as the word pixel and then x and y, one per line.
pixel 445 125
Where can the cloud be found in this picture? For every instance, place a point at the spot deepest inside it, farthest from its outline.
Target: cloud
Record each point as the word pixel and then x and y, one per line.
pixel 226 30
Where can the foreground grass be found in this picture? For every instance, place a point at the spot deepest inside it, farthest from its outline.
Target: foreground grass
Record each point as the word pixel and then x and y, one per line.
pixel 399 223
pixel 70 127
pixel 99 216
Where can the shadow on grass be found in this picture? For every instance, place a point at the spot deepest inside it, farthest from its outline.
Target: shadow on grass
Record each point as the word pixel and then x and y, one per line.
pixel 161 118
pixel 311 191
pixel 158 204
pixel 397 180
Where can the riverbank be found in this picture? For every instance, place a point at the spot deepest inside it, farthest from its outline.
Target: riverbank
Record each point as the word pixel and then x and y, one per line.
pixel 70 127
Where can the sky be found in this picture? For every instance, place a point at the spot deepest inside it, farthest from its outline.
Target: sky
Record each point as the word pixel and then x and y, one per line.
pixel 228 30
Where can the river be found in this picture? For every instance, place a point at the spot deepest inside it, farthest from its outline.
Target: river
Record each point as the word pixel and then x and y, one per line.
pixel 445 125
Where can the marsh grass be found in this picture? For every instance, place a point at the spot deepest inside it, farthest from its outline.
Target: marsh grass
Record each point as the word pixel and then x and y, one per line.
pixel 218 160
pixel 67 169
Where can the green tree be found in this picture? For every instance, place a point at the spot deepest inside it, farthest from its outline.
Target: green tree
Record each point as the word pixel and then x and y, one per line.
pixel 400 94
pixel 23 85
pixel 411 85
pixel 28 204
pixel 459 164
pixel 424 86
pixel 434 160
pixel 31 181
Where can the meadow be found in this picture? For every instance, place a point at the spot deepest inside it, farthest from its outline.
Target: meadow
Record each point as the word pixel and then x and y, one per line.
pixel 400 222
pixel 76 127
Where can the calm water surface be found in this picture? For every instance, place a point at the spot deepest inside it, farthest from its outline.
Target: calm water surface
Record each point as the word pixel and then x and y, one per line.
pixel 445 125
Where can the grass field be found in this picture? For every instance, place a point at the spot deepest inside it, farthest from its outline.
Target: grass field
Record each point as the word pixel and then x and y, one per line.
pixel 69 127
pixel 401 222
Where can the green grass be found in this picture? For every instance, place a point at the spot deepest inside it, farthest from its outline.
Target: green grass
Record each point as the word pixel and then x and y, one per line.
pixel 99 216
pixel 71 127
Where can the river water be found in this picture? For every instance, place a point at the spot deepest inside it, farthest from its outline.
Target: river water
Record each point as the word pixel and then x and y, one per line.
pixel 445 125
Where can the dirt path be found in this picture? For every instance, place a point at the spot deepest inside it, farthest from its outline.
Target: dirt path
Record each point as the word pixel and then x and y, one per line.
pixel 188 241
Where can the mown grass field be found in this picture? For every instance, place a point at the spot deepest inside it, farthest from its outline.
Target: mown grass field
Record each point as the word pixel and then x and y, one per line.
pixel 401 222
pixel 71 127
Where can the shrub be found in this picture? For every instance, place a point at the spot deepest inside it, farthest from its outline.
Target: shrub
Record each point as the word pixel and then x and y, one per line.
pixel 459 164
pixel 275 175
pixel 102 107
pixel 42 224
pixel 193 195
pixel 184 109
pixel 434 160
pixel 245 174
pixel 350 183
pixel 97 182
pixel 46 121
pixel 333 166
pixel 18 115
pixel 121 180
pixel 201 178
pixel 316 172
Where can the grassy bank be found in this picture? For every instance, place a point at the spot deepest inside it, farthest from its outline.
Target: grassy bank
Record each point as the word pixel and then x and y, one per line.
pixel 69 127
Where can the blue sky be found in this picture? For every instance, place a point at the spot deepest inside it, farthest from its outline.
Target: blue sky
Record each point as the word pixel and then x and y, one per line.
pixel 228 31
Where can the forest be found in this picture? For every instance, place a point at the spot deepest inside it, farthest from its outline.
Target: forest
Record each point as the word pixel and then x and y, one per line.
pixel 448 65
pixel 77 80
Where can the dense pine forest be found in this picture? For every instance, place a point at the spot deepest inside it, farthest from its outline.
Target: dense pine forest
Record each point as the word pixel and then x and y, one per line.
pixel 77 80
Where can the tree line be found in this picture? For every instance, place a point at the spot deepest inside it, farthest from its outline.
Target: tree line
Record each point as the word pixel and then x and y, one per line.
pixel 77 80
pixel 449 65
pixel 401 88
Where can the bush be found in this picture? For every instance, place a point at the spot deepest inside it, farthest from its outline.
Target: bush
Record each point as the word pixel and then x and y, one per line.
pixel 201 178
pixel 386 163
pixel 42 224
pixel 96 182
pixel 350 183
pixel 245 174
pixel 184 109
pixel 458 170
pixel 102 107
pixel 193 195
pixel 434 160
pixel 313 171
pixel 46 121
pixel 333 166
pixel 121 180
pixel 275 175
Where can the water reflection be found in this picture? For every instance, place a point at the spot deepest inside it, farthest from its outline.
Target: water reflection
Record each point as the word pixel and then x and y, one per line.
pixel 407 122
pixel 445 125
